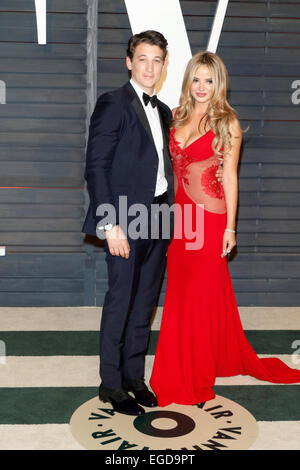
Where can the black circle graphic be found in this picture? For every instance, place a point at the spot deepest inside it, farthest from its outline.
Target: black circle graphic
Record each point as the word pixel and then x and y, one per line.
pixel 185 424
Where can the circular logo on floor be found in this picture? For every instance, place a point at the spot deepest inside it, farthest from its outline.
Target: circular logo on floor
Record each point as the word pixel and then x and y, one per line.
pixel 217 424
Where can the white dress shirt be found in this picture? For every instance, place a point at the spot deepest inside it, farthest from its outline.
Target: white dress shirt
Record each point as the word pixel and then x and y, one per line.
pixel 154 123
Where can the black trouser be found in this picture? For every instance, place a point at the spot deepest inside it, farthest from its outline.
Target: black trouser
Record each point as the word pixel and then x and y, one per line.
pixel 133 286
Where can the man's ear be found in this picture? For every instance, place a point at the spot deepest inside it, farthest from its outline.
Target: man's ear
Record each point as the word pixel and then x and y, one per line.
pixel 128 63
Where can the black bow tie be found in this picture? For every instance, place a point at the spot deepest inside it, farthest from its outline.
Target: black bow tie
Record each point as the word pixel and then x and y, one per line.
pixel 152 99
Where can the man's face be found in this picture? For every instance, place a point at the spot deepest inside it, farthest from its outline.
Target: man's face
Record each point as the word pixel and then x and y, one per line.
pixel 146 66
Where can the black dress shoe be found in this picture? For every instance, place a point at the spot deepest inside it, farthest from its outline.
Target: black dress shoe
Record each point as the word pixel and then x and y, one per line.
pixel 141 392
pixel 121 401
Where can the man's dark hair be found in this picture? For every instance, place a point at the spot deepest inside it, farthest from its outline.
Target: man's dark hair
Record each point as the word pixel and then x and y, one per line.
pixel 154 38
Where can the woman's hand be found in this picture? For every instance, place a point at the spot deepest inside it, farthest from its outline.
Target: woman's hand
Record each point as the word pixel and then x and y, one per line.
pixel 229 241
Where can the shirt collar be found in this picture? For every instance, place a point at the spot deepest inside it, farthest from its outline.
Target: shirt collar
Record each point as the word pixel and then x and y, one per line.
pixel 139 90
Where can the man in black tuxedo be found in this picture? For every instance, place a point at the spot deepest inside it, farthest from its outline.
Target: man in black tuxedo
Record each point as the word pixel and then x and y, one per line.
pixel 127 155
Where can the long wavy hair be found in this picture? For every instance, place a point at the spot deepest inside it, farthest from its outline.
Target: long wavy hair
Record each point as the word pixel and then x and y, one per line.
pixel 219 114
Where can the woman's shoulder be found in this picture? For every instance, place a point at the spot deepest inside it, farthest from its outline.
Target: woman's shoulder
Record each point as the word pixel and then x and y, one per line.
pixel 235 127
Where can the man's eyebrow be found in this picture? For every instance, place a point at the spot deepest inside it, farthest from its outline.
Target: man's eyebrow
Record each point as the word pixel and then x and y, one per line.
pixel 155 57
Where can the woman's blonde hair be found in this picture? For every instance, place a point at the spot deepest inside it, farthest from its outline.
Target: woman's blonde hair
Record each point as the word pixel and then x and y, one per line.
pixel 219 114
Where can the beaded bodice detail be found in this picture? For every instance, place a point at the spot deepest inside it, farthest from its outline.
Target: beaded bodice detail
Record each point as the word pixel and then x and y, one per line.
pixel 195 169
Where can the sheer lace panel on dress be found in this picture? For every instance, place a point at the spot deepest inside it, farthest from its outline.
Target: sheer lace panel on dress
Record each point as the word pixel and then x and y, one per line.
pixel 196 172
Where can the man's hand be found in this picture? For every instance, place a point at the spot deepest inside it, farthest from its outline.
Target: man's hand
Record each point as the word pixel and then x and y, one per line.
pixel 219 174
pixel 117 242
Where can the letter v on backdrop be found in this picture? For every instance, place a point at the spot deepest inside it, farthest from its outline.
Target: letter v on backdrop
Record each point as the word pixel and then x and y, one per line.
pixel 166 17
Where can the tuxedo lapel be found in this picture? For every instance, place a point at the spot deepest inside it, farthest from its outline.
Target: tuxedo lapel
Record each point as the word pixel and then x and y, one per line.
pixel 164 122
pixel 135 102
pixel 165 127
pixel 138 107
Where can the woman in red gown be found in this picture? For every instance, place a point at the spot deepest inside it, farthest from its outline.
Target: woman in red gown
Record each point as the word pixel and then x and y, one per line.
pixel 201 335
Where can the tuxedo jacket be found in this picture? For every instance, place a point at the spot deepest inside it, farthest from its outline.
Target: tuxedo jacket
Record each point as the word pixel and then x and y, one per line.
pixel 121 158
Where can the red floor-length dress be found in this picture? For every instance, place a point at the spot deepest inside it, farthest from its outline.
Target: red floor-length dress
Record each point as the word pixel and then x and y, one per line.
pixel 201 335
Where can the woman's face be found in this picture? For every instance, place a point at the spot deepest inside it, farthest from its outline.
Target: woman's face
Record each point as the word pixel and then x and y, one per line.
pixel 202 86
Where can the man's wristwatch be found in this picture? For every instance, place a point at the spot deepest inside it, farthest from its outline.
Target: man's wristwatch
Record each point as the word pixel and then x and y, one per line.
pixel 107 227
